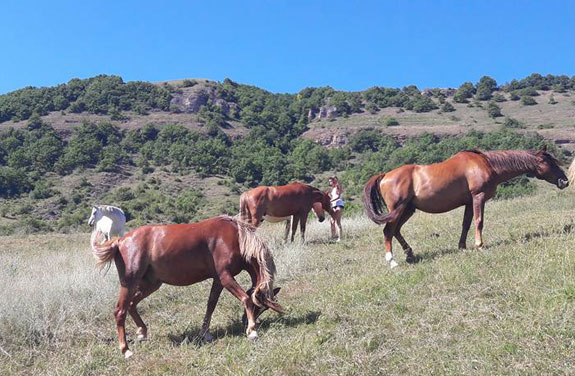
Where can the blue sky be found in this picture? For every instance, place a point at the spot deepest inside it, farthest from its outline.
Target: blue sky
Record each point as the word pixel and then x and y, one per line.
pixel 284 46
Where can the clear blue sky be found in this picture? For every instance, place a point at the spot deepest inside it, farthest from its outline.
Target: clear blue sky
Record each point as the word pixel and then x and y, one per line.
pixel 284 46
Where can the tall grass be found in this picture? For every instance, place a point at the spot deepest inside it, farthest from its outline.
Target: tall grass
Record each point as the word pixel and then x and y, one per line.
pixel 506 309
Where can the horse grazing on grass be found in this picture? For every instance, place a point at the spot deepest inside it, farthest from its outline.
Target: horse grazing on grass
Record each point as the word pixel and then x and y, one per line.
pixel 184 254
pixel 109 220
pixel 469 178
pixel 279 203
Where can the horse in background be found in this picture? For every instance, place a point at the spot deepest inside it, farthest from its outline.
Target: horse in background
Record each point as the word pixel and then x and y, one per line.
pixel 469 178
pixel 109 220
pixel 279 203
pixel 184 254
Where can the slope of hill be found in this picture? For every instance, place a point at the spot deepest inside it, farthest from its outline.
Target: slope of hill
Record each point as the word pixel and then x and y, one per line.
pixel 183 150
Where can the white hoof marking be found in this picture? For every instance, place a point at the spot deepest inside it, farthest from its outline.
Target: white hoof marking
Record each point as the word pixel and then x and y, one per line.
pixel 253 335
pixel 393 264
pixel 128 354
pixel 141 337
pixel 388 256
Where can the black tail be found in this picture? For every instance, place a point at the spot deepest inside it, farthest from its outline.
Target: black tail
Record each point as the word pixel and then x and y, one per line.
pixel 374 203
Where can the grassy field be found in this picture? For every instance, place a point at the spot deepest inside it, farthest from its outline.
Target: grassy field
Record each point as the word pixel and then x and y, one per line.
pixel 505 309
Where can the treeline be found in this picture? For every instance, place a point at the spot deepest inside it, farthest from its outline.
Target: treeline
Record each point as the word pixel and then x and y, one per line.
pixel 265 156
pixel 99 95
pixel 111 95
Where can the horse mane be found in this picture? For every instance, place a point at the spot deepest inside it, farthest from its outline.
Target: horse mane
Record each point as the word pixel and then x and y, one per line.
pixel 517 160
pixel 109 208
pixel 253 247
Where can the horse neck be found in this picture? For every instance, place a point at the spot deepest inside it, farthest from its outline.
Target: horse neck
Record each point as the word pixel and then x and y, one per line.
pixel 508 164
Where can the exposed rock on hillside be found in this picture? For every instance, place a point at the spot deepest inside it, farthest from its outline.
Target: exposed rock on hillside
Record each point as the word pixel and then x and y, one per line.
pixel 191 99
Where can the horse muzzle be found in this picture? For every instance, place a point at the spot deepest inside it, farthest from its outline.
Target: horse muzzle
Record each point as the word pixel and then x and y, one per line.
pixel 562 183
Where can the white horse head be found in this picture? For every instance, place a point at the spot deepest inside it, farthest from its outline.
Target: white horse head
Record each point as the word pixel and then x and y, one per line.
pixel 109 220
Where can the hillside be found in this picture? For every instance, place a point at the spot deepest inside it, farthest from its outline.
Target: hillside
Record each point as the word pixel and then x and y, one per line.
pixel 505 310
pixel 184 150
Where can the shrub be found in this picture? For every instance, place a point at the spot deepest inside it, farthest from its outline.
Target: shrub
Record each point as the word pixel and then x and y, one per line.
pixel 447 107
pixel 493 110
pixel 391 122
pixel 512 123
pixel 528 101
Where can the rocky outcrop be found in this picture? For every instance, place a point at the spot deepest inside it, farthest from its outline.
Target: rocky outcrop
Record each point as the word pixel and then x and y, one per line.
pixel 191 99
pixel 326 111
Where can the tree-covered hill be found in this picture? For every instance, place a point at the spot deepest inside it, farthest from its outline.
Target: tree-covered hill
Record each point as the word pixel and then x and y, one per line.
pixel 179 151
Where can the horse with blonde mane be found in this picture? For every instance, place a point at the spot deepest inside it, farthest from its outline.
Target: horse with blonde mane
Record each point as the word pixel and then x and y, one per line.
pixel 184 254
pixel 469 178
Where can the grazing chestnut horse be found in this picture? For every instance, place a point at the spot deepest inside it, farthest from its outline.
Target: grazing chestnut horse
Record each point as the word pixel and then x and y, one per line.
pixel 469 178
pixel 279 203
pixel 184 254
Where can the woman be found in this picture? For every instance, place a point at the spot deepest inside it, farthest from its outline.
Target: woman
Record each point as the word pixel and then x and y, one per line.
pixel 337 205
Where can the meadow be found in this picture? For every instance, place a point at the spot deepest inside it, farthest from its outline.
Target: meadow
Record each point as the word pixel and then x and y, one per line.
pixel 505 309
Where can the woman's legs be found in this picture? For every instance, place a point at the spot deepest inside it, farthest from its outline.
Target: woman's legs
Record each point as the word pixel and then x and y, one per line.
pixel 335 222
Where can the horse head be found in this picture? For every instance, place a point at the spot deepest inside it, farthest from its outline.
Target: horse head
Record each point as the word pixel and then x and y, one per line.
pixel 93 216
pixel 322 204
pixel 258 310
pixel 548 169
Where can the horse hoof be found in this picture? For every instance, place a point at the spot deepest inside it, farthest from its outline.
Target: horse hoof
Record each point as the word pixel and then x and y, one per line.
pixel 253 335
pixel 141 337
pixel 128 354
pixel 393 264
pixel 411 259
pixel 208 338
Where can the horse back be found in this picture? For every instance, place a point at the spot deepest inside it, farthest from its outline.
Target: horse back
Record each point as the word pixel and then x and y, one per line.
pixel 182 254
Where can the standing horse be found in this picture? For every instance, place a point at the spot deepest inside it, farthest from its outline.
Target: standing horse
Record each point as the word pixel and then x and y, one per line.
pixel 109 220
pixel 184 254
pixel 276 204
pixel 469 178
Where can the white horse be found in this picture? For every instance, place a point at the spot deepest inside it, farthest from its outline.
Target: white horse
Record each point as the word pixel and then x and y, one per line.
pixel 109 220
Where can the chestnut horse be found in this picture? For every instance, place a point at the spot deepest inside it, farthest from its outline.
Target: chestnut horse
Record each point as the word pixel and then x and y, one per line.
pixel 469 178
pixel 184 254
pixel 279 203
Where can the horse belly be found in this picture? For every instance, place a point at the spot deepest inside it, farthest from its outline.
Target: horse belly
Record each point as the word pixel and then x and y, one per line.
pixel 183 270
pixel 442 201
pixel 271 219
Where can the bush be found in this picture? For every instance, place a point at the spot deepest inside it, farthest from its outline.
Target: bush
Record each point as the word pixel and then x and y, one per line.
pixel 447 107
pixel 391 122
pixel 528 101
pixel 512 123
pixel 493 110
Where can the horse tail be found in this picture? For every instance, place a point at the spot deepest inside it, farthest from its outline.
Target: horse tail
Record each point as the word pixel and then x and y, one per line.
pixel 103 253
pixel 374 203
pixel 253 248
pixel 571 173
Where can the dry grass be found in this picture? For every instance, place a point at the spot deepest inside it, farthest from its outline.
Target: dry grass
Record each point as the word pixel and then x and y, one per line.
pixel 507 309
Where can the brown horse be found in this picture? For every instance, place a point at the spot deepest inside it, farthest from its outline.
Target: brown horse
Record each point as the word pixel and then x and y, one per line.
pixel 276 204
pixel 185 254
pixel 468 178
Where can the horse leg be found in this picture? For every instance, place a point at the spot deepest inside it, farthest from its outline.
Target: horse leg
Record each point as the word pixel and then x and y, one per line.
pixel 212 301
pixel 294 222
pixel 145 289
pixel 302 225
pixel 409 256
pixel 126 293
pixel 478 208
pixel 230 284
pixel 467 217
pixel 287 227
pixel 388 234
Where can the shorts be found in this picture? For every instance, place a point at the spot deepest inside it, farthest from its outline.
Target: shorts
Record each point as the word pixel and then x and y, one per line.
pixel 337 203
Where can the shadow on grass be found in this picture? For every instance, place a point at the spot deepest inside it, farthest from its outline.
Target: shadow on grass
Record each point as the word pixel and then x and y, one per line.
pixel 237 328
pixel 566 229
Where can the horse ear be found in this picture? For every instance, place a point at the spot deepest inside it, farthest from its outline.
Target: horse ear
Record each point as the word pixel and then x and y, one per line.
pixel 276 290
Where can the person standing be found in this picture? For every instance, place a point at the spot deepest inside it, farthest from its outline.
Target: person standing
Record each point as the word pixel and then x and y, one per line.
pixel 337 204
